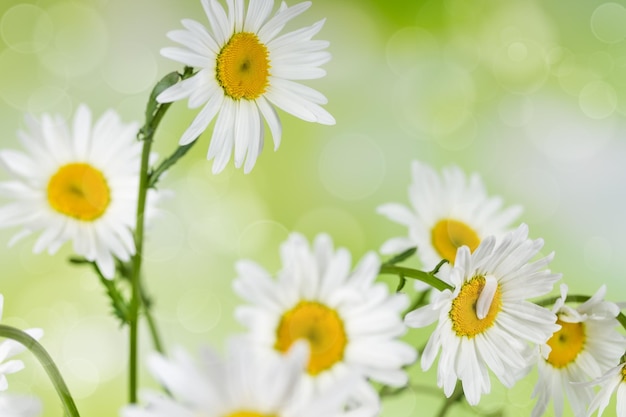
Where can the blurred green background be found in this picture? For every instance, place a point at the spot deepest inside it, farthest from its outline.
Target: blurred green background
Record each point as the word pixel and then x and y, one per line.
pixel 530 94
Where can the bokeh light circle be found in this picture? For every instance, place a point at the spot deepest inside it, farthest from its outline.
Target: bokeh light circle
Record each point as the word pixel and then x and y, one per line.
pixel 435 98
pixel 351 166
pixel 26 28
pixel 131 69
pixel 79 42
pixel 598 99
pixel 608 22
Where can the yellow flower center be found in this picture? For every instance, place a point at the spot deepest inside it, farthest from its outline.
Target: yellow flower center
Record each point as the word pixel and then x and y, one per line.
pixel 624 373
pixel 321 327
pixel 243 67
pixel 246 413
pixel 80 191
pixel 566 343
pixel 448 235
pixel 464 316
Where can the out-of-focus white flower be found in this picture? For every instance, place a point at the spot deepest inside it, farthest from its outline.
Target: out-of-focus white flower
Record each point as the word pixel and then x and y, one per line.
pixel 248 383
pixel 8 349
pixel 447 211
pixel 77 184
pixel 351 323
pixel 586 345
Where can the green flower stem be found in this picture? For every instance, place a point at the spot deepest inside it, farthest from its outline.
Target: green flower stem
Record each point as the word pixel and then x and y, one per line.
pixel 577 298
pixel 48 365
pixel 155 175
pixel 154 332
pixel 154 114
pixel 425 277
pixel 135 300
pixel 456 396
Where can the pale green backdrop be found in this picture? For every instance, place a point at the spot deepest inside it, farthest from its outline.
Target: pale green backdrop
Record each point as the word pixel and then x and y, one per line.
pixel 530 94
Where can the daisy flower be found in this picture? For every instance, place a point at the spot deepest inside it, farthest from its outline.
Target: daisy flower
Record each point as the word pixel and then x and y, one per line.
pixel 8 349
pixel 614 380
pixel 351 323
pixel 586 345
pixel 75 184
pixel 485 322
pixel 246 384
pixel 245 69
pixel 12 405
pixel 447 211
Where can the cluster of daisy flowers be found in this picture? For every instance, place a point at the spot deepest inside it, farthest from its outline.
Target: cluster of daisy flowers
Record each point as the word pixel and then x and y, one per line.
pixel 323 336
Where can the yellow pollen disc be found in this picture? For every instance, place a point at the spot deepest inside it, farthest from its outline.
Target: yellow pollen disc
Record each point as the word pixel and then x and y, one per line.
pixel 566 343
pixel 243 67
pixel 465 322
pixel 448 235
pixel 80 191
pixel 321 327
pixel 624 373
pixel 246 413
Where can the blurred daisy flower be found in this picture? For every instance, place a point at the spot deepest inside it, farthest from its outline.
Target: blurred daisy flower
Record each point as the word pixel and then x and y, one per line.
pixel 8 349
pixel 13 405
pixel 246 384
pixel 447 211
pixel 77 184
pixel 613 381
pixel 245 69
pixel 486 322
pixel 350 322
pixel 586 345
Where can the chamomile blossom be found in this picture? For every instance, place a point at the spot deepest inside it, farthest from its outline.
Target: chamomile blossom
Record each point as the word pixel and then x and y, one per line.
pixel 245 70
pixel 485 322
pixel 351 323
pixel 246 384
pixel 8 349
pixel 75 183
pixel 447 211
pixel 585 346
pixel 612 382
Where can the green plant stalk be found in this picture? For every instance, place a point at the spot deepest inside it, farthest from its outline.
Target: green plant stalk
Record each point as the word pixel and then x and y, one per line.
pixel 154 114
pixel 135 301
pixel 456 396
pixel 425 277
pixel 48 365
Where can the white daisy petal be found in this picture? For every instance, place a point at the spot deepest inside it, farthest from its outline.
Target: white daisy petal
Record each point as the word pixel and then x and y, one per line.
pixel 297 36
pixel 82 132
pixel 202 120
pixel 256 143
pixel 258 12
pixel 271 117
pixel 223 133
pixel 217 18
pixel 243 133
pixel 191 40
pixel 191 59
pixel 275 24
pixel 201 33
